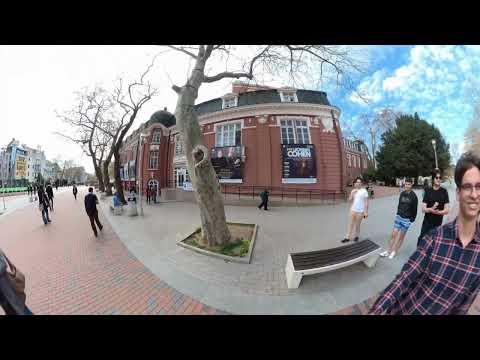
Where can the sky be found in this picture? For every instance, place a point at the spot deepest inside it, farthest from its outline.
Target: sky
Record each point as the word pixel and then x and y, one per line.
pixel 38 81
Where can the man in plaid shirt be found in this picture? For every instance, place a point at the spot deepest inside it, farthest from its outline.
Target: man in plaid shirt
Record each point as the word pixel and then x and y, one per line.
pixel 443 275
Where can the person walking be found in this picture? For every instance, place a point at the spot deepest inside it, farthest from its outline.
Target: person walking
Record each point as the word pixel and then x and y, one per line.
pixel 406 215
pixel 75 191
pixel 154 194
pixel 91 202
pixel 264 196
pixel 442 277
pixel 49 191
pixel 434 205
pixel 358 210
pixel 147 190
pixel 44 204
pixel 12 299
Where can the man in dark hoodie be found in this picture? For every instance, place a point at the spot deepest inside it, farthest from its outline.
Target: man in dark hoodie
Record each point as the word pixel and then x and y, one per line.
pixel 406 214
pixel 264 197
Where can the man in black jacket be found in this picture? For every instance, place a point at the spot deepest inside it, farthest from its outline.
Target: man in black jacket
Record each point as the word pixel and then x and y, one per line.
pixel 406 215
pixel 264 197
pixel 49 191
pixel 91 202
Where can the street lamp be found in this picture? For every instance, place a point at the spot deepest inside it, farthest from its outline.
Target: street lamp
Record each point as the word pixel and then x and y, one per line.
pixel 140 170
pixel 434 143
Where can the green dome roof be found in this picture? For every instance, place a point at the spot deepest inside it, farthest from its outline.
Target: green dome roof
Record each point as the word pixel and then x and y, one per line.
pixel 163 117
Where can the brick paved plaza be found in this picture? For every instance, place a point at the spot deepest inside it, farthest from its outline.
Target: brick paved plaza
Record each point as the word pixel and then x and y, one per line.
pixel 135 267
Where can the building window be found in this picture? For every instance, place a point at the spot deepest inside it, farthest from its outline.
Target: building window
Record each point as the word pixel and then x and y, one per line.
pixel 288 96
pixel 153 163
pixel 294 132
pixel 179 150
pixel 229 102
pixel 157 134
pixel 365 165
pixel 349 158
pixel 229 134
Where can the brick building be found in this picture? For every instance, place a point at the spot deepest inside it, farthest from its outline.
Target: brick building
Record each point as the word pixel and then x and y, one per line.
pixel 356 159
pixel 258 136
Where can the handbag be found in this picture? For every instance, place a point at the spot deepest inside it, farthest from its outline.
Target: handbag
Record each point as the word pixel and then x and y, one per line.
pixel 16 279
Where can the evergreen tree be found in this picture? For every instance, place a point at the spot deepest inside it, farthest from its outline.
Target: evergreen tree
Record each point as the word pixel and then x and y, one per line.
pixel 407 149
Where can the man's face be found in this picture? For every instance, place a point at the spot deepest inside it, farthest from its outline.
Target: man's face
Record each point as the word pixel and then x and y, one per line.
pixel 437 180
pixel 468 196
pixel 408 186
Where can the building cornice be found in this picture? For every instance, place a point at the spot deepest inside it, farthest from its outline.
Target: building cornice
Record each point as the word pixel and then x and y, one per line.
pixel 270 109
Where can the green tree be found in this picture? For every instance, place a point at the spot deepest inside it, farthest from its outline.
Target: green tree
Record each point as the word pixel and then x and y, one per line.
pixel 407 149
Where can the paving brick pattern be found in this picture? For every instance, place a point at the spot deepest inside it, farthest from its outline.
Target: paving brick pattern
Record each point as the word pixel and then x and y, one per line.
pixel 69 271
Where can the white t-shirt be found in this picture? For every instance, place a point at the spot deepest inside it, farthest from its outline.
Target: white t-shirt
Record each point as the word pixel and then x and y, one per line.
pixel 359 200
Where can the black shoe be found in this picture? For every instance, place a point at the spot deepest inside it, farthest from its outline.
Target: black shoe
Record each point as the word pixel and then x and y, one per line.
pixel 355 239
pixel 345 240
pixel 96 234
pixel 49 220
pixel 101 228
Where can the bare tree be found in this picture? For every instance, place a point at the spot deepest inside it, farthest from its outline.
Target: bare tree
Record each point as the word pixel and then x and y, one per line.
pixel 84 119
pixel 128 101
pixel 370 127
pixel 272 59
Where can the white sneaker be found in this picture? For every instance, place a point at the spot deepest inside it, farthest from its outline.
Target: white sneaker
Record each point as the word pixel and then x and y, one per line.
pixel 392 255
pixel 384 254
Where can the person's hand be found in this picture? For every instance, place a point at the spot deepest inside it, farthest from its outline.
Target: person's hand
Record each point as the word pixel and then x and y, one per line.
pixel 434 207
pixel 365 215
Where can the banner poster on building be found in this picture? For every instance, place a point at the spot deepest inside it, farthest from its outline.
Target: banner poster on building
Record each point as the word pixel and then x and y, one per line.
pixel 121 174
pixel 21 168
pixel 227 162
pixel 299 165
pixel 131 170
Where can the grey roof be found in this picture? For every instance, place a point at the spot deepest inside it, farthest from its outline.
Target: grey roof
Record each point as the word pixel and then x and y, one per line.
pixel 263 97
pixel 163 117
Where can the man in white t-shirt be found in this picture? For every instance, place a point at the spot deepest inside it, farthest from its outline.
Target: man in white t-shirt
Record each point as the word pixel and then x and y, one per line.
pixel 358 210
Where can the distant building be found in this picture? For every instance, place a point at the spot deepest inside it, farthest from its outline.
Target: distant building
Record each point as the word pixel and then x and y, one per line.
pixel 357 158
pixel 36 163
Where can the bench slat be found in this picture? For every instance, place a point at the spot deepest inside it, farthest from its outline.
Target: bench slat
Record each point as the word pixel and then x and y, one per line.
pixel 322 258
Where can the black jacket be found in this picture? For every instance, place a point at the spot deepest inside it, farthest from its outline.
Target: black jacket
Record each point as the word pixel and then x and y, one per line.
pixel 408 205
pixel 91 204
pixel 264 195
pixel 49 191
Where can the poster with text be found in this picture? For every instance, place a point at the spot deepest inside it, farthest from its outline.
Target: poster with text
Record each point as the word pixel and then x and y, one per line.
pixel 227 162
pixel 298 164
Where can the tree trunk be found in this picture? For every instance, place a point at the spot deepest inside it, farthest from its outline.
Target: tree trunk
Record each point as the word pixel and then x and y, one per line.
pixel 106 179
pixel 204 179
pixel 98 173
pixel 116 171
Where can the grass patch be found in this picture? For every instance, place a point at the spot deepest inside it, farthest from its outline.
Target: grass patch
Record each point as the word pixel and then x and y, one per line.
pixel 237 248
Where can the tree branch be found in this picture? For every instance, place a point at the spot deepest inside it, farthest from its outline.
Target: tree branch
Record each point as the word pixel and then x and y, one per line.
pixel 226 74
pixel 182 49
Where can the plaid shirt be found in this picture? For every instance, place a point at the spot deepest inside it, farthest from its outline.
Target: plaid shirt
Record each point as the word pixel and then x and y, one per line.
pixel 441 277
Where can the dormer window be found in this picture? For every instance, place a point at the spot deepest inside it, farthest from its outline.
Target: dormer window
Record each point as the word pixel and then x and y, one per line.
pixel 157 135
pixel 288 96
pixel 229 101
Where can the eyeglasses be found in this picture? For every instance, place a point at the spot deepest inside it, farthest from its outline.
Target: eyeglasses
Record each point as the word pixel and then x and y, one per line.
pixel 468 188
pixel 438 177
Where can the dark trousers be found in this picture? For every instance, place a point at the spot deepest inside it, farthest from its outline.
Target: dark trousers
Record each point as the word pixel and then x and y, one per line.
pixel 264 204
pixel 94 219
pixel 148 199
pixel 50 200
pixel 426 227
pixel 75 194
pixel 45 215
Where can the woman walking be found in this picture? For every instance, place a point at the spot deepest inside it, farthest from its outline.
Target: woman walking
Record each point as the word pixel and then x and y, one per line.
pixel 75 191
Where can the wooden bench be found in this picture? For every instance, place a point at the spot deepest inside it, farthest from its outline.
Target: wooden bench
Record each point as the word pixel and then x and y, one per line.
pixel 315 262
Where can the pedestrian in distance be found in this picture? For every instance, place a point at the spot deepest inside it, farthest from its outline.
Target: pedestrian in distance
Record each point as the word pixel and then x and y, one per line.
pixel 264 196
pixel 154 194
pixel 358 210
pixel 44 205
pixel 434 205
pixel 148 192
pixel 49 191
pixel 406 215
pixel 75 191
pixel 442 277
pixel 12 288
pixel 91 202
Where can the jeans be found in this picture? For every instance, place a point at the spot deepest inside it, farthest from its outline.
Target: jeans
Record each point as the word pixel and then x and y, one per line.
pixel 28 311
pixel 45 216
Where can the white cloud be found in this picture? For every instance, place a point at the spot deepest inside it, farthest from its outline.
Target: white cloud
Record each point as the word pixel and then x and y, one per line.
pixel 370 88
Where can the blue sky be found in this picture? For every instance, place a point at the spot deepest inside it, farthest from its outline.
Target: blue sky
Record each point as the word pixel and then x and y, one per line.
pixel 429 80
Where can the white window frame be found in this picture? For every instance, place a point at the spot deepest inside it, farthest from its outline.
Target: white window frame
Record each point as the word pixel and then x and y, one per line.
pixel 179 148
pixel 349 158
pixel 154 133
pixel 305 124
pixel 288 96
pixel 365 164
pixel 227 102
pixel 150 167
pixel 220 133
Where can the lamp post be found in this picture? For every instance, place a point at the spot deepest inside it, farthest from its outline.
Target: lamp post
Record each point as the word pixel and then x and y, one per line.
pixel 434 143
pixel 140 169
